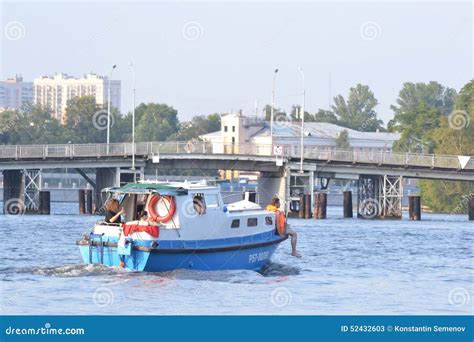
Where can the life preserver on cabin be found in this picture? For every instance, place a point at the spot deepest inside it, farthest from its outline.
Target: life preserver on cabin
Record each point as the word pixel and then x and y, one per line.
pixel 171 208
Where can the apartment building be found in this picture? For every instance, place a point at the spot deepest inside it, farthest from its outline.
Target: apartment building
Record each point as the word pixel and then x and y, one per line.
pixel 53 92
pixel 14 93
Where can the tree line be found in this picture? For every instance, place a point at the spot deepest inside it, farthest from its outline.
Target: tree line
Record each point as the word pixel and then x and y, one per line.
pixel 86 122
pixel 430 117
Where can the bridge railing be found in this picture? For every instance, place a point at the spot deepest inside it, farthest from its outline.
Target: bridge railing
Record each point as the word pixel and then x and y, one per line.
pixel 199 147
pixel 387 158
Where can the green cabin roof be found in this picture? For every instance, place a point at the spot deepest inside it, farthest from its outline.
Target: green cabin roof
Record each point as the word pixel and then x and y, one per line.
pixel 147 188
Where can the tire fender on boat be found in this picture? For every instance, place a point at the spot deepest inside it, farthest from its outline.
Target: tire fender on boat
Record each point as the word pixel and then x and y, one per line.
pixel 154 215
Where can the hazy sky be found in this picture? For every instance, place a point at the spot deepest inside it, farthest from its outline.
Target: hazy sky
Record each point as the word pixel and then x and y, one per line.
pixel 205 57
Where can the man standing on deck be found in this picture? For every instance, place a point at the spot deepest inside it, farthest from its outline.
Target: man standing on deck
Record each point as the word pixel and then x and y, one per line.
pixel 280 221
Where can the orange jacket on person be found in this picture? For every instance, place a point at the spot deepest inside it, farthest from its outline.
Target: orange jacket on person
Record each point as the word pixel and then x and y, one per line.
pixel 280 220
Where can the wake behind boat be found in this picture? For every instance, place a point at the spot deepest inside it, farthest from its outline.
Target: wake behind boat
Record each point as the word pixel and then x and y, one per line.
pixel 185 225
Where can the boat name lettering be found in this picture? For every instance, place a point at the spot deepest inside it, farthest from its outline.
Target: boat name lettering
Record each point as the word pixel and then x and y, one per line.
pixel 258 256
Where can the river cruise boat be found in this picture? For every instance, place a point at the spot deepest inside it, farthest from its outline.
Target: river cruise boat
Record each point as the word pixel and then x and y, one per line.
pixel 186 225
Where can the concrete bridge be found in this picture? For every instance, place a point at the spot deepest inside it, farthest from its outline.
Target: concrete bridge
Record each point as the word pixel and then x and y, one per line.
pixel 379 173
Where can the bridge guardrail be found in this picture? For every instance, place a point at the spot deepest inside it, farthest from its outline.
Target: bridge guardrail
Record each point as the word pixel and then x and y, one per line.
pixel 17 152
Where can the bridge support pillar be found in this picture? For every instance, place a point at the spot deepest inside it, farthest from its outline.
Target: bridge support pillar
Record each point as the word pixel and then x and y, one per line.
pixel 111 177
pixel 392 195
pixel 82 201
pixel 21 192
pixel 414 207
pixel 470 207
pixel 380 197
pixel 272 184
pixel 347 204
pixel 32 180
pixel 13 196
pixel 321 205
pixel 104 178
pixel 368 197
pixel 311 188
pixel 44 203
pixel 301 207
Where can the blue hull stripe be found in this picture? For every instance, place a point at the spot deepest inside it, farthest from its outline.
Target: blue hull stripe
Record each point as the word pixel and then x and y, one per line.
pixel 251 256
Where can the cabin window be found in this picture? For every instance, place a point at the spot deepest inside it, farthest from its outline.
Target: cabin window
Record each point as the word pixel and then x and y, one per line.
pixel 199 203
pixel 235 223
pixel 233 128
pixel 225 128
pixel 269 220
pixel 252 222
pixel 212 201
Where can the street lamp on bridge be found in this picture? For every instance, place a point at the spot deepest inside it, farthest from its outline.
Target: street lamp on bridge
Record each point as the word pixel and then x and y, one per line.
pixel 108 104
pixel 273 105
pixel 133 121
pixel 302 120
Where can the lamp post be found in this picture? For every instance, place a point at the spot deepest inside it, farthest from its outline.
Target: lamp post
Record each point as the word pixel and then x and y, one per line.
pixel 133 122
pixel 108 105
pixel 302 121
pixel 273 106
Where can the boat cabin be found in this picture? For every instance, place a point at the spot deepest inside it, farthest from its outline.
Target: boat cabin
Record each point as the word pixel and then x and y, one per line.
pixel 195 206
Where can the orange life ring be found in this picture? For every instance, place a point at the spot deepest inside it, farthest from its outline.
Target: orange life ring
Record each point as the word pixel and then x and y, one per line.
pixel 154 215
pixel 281 221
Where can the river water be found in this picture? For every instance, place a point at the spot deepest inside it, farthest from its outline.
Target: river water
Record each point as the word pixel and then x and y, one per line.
pixel 348 266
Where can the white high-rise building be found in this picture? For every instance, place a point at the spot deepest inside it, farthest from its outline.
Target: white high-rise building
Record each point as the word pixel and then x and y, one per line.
pixel 53 92
pixel 14 93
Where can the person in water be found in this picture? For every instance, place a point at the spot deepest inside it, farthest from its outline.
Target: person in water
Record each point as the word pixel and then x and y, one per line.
pixel 274 206
pixel 113 212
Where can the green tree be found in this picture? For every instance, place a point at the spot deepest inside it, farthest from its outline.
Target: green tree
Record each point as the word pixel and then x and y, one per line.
pixel 199 125
pixel 121 131
pixel 432 94
pixel 277 112
pixel 417 113
pixel 417 130
pixel 9 124
pixel 323 115
pixel 358 112
pixel 29 125
pixel 295 114
pixel 342 140
pixel 156 122
pixel 86 121
pixel 454 136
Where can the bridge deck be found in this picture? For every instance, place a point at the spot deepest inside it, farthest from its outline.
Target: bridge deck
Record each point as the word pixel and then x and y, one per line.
pixel 332 160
